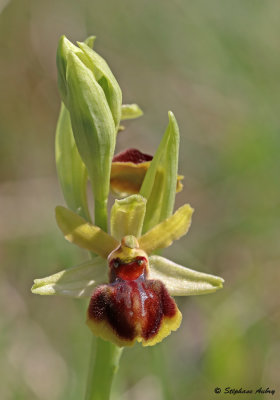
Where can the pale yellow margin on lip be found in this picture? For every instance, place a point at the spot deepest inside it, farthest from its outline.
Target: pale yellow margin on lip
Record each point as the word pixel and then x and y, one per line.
pixel 102 329
pixel 167 326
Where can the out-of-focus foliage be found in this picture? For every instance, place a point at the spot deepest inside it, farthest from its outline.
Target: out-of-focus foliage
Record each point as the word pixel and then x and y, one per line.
pixel 216 65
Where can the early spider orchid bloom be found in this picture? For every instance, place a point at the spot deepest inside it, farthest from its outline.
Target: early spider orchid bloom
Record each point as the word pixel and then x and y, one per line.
pixel 128 172
pixel 130 288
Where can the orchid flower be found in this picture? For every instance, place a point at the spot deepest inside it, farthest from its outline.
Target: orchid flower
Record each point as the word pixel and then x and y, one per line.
pixel 128 171
pixel 130 288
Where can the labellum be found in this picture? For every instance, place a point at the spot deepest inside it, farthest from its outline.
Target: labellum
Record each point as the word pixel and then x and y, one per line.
pixel 132 307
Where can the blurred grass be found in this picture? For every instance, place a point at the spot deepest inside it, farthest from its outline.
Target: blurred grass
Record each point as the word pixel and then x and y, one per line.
pixel 216 66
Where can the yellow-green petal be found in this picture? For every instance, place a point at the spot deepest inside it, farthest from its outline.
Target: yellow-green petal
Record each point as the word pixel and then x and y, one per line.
pixel 163 234
pixel 182 281
pixel 78 231
pixel 79 281
pixel 130 111
pixel 127 216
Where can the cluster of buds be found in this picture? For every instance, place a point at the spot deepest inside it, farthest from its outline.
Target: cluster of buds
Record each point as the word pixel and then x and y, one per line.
pixel 130 287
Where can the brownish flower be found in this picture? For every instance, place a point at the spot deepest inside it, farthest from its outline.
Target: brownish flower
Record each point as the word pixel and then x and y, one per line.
pixel 128 172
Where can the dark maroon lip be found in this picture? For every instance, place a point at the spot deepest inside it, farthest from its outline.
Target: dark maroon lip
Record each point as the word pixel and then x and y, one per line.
pixel 132 155
pixel 132 309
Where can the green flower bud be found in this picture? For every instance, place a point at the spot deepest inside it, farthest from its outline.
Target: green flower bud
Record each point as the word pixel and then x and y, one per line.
pixel 93 127
pixel 98 66
pixel 93 99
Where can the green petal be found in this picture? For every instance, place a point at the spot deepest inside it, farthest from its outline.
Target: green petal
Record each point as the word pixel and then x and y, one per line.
pixel 78 231
pixel 72 173
pixel 159 185
pixel 163 234
pixel 92 125
pixel 182 281
pixel 78 281
pixel 130 111
pixel 127 216
pixel 106 80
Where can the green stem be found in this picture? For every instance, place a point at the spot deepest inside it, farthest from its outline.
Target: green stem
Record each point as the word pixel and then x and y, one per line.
pixel 160 370
pixel 100 214
pixel 104 363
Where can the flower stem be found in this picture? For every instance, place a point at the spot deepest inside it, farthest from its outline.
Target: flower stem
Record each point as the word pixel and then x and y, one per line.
pixel 100 214
pixel 159 365
pixel 104 363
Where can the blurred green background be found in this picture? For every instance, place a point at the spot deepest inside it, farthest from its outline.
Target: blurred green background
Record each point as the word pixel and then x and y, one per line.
pixel 216 65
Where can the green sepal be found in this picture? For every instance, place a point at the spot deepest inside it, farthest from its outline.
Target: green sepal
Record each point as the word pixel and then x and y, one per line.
pixel 163 234
pixel 79 281
pixel 130 111
pixel 71 170
pixel 93 125
pixel 106 80
pixel 159 185
pixel 182 281
pixel 127 216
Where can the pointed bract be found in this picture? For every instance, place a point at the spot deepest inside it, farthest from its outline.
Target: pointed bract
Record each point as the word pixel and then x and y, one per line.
pixel 71 170
pixel 159 185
